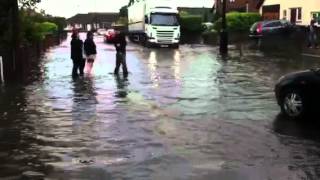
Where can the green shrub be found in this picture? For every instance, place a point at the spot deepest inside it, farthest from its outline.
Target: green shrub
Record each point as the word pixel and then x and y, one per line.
pixel 35 31
pixel 183 13
pixel 59 21
pixel 48 27
pixel 30 31
pixel 238 22
pixel 191 23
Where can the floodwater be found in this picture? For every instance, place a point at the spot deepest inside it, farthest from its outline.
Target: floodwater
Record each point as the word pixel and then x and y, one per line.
pixel 180 114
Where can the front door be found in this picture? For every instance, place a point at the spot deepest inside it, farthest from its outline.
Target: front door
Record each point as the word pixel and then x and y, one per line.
pixel 293 16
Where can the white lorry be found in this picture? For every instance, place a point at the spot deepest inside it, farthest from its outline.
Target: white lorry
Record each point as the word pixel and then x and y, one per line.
pixel 154 22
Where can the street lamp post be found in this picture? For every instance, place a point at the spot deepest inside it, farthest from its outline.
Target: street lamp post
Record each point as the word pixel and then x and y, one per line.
pixel 224 33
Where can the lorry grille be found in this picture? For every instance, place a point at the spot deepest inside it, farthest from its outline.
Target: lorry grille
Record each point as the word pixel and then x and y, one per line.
pixel 165 37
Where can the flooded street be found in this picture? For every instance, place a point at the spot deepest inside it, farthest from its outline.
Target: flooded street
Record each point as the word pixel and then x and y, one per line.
pixel 180 114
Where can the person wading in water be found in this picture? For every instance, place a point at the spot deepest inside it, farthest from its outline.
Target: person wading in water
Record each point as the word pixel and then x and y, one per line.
pixel 77 55
pixel 120 44
pixel 90 50
pixel 313 38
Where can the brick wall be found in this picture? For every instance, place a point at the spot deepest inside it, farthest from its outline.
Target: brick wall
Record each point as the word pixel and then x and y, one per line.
pixel 238 5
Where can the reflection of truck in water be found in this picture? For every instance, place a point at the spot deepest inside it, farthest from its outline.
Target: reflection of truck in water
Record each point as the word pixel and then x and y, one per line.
pixel 154 22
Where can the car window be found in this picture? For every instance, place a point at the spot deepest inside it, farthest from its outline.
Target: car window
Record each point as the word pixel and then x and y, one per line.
pixel 274 24
pixel 286 23
pixel 254 26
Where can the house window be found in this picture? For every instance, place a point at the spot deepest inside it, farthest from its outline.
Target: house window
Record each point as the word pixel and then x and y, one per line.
pixel 285 14
pixel 299 16
pixel 296 15
pixel 316 16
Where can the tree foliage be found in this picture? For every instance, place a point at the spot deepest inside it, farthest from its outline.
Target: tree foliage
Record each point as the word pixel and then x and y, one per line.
pixel 123 11
pixel 238 22
pixel 130 2
pixel 28 3
pixel 190 22
pixel 34 25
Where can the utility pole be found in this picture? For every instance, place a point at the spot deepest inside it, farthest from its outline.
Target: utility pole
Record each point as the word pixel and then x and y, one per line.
pixel 15 30
pixel 224 32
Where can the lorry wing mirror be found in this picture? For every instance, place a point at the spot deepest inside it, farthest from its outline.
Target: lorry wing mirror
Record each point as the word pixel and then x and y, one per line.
pixel 146 20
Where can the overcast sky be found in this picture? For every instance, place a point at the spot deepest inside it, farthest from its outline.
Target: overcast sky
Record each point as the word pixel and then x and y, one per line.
pixel 68 8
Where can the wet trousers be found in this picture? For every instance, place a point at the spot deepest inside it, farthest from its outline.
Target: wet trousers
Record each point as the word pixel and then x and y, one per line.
pixel 121 61
pixel 78 65
pixel 312 39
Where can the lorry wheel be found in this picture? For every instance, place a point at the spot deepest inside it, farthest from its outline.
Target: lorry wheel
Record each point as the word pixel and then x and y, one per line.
pixel 147 44
pixel 142 40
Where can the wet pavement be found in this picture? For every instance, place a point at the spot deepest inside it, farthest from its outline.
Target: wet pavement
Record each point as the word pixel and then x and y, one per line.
pixel 180 114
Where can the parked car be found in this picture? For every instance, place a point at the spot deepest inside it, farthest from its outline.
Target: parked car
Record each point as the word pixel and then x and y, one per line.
pixel 109 36
pixel 270 28
pixel 298 93
pixel 206 26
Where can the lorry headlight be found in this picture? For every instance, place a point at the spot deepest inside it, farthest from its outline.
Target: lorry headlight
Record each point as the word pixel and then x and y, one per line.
pixel 178 37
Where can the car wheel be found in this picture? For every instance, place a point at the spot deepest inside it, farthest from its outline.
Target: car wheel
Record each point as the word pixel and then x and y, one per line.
pixel 293 104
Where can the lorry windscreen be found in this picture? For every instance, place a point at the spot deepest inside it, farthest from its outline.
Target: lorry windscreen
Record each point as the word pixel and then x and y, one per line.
pixel 161 19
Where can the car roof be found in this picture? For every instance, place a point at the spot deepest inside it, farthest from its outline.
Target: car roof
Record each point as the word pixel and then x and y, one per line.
pixel 271 21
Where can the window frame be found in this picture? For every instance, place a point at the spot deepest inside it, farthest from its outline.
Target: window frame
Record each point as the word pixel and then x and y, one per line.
pixel 285 14
pixel 298 14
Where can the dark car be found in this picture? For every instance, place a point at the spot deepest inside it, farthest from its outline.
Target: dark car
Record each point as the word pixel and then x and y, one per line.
pixel 298 93
pixel 270 28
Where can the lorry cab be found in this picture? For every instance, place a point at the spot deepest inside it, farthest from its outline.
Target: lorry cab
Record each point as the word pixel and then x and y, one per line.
pixel 162 26
pixel 154 22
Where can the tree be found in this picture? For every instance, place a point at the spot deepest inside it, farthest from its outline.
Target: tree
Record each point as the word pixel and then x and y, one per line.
pixel 10 32
pixel 123 11
pixel 28 3
pixel 130 2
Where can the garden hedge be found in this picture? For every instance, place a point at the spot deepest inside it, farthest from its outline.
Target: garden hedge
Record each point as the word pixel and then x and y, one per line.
pixel 238 22
pixel 191 23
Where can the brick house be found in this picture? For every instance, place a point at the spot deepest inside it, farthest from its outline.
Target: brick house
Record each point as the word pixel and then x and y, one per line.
pixel 238 5
pixel 296 11
pixel 92 20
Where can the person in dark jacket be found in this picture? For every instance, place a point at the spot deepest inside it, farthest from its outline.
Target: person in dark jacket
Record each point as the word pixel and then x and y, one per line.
pixel 77 55
pixel 312 34
pixel 90 50
pixel 120 44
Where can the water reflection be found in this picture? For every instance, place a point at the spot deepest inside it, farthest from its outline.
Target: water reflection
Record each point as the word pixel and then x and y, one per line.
pixel 200 118
pixel 122 86
pixel 307 128
pixel 301 139
pixel 164 65
pixel 176 67
pixel 84 100
pixel 152 65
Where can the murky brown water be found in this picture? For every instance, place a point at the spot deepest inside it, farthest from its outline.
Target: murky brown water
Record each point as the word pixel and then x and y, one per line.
pixel 181 114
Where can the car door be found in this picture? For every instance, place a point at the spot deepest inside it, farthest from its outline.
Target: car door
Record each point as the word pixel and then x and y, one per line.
pixel 273 28
pixel 277 28
pixel 310 86
pixel 316 88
